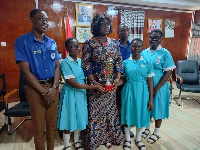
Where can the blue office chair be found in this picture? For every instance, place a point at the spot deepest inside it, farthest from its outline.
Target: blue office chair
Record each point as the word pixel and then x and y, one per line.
pixel 187 78
pixel 19 110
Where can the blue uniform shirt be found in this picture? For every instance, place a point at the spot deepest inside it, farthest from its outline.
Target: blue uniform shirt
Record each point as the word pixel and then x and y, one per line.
pixel 125 51
pixel 40 55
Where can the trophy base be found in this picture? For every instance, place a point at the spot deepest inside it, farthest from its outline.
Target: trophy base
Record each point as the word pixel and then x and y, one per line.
pixel 108 87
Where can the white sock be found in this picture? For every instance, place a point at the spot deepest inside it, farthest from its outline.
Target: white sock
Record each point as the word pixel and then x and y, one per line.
pixel 77 138
pixel 127 133
pixel 138 137
pixel 66 138
pixel 138 133
pixel 156 131
pixel 127 137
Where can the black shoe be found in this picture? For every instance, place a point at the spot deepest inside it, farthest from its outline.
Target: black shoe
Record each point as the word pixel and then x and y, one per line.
pixel 131 134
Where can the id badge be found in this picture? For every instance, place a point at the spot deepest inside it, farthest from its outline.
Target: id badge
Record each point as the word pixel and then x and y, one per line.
pixel 158 59
pixel 53 48
pixel 53 55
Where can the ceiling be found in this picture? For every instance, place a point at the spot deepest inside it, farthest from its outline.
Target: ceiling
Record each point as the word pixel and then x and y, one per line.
pixel 177 5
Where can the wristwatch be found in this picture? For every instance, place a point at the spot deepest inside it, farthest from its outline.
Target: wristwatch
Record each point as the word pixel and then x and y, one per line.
pixel 56 87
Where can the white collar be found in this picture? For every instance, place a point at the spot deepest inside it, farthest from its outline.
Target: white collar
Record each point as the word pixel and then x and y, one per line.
pixel 130 58
pixel 69 58
pixel 158 48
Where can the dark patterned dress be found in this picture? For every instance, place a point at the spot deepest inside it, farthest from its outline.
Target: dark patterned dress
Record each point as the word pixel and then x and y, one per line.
pixel 103 124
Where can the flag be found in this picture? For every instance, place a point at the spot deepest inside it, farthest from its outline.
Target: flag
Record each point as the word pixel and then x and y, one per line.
pixel 67 29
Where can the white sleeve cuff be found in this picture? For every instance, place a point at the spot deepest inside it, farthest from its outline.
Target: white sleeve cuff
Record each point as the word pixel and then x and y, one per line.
pixel 69 77
pixel 150 75
pixel 169 68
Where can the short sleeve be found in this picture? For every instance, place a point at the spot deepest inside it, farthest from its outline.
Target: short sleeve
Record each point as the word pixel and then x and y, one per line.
pixel 20 51
pixel 57 55
pixel 168 62
pixel 86 55
pixel 66 70
pixel 150 72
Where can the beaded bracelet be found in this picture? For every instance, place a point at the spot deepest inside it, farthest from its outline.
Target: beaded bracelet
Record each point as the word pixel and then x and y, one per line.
pixel 92 82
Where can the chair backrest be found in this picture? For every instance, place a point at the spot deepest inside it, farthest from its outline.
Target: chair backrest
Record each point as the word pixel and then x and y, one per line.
pixel 189 71
pixel 3 90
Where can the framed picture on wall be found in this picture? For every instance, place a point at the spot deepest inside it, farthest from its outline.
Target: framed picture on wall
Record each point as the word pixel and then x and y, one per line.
pixel 84 14
pixel 83 34
pixel 169 28
pixel 154 23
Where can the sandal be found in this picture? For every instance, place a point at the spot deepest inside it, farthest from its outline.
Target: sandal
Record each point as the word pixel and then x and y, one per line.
pixel 65 148
pixel 154 140
pixel 145 134
pixel 108 145
pixel 139 146
pixel 79 147
pixel 124 146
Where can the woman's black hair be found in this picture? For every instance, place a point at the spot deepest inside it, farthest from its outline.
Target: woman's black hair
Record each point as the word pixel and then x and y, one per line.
pixel 137 39
pixel 68 40
pixel 34 11
pixel 96 23
pixel 157 30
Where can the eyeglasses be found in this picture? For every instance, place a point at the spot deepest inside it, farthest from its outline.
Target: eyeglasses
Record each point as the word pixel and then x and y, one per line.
pixel 103 24
pixel 75 46
pixel 156 37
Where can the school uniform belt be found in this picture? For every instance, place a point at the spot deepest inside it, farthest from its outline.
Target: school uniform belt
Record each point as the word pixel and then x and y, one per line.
pixel 46 81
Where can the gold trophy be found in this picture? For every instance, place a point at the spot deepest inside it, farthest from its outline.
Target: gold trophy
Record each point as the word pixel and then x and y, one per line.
pixel 109 65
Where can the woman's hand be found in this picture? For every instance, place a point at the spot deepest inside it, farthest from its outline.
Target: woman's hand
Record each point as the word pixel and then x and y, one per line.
pixel 116 83
pixel 98 86
pixel 150 105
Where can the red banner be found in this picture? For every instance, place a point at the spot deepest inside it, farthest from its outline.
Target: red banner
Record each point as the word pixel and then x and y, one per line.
pixel 68 30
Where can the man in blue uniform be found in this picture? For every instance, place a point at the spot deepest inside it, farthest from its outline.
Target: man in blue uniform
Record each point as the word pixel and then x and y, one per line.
pixel 124 44
pixel 38 59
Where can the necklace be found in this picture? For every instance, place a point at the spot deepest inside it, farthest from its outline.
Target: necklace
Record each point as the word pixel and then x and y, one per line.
pixel 104 44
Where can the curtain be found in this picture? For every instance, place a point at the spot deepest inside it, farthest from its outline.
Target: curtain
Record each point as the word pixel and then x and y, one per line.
pixel 135 21
pixel 194 45
pixel 194 50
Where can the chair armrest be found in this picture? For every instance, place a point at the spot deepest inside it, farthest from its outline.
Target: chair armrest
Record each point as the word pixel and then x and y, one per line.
pixel 5 98
pixel 180 79
pixel 170 79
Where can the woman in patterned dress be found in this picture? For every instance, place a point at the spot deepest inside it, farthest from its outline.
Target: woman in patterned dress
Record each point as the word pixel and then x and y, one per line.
pixel 103 120
pixel 163 65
